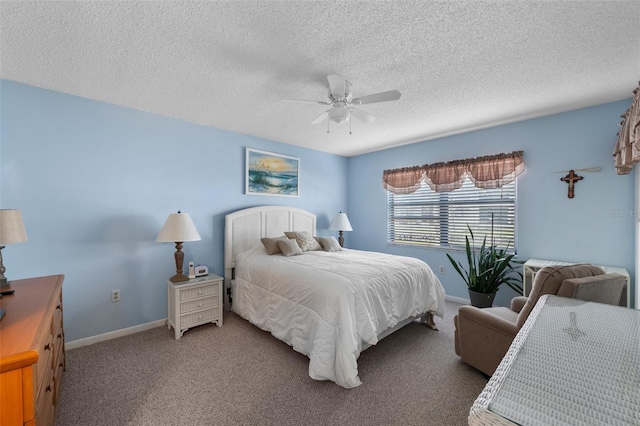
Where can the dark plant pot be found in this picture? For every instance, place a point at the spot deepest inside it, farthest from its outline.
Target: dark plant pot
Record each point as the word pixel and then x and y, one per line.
pixel 481 300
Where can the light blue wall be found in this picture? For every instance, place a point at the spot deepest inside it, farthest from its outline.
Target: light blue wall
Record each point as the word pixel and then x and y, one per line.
pixel 596 226
pixel 95 182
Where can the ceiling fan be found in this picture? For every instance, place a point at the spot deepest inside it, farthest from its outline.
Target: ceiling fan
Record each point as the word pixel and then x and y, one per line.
pixel 341 101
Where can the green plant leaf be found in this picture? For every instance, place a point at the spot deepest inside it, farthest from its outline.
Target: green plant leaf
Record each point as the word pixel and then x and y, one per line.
pixel 488 267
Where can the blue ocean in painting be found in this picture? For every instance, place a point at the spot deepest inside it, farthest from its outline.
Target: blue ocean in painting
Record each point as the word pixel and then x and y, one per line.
pixel 268 182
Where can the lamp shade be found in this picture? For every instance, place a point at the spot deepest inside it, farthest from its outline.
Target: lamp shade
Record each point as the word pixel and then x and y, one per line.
pixel 340 223
pixel 178 228
pixel 11 227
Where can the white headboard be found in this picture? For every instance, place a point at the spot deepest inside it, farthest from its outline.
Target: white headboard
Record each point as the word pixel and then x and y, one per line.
pixel 244 228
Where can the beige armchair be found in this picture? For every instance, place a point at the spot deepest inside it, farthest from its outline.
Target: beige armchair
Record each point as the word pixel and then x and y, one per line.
pixel 483 336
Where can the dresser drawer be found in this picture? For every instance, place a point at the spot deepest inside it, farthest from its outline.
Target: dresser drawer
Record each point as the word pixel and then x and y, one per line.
pixel 57 317
pixel 58 358
pixel 198 304
pixel 44 405
pixel 57 379
pixel 45 359
pixel 196 292
pixel 198 317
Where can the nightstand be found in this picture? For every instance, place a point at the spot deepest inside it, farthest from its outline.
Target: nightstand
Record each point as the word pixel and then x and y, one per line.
pixel 194 302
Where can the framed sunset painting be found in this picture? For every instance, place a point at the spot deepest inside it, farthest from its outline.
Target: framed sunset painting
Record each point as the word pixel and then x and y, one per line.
pixel 268 173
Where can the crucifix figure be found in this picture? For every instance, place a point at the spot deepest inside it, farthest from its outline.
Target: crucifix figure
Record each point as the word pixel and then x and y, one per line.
pixel 571 179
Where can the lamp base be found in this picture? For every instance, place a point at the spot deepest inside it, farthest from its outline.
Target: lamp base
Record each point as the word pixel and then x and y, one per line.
pixel 179 256
pixel 179 278
pixel 4 283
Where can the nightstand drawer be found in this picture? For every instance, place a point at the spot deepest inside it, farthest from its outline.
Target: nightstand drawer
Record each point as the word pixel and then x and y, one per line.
pixel 198 304
pixel 196 292
pixel 198 317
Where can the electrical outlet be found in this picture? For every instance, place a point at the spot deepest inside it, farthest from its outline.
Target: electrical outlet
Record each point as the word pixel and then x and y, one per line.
pixel 442 269
pixel 115 295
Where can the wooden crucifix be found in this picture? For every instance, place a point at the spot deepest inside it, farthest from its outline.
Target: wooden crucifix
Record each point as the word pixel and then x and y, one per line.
pixel 571 179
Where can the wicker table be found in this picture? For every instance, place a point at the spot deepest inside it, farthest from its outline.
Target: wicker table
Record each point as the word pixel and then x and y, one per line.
pixel 572 363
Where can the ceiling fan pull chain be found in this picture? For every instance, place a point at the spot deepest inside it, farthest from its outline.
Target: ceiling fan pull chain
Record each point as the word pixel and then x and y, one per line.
pixel 328 121
pixel 350 122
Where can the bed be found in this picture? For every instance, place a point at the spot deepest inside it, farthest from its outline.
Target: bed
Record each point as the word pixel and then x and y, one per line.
pixel 327 305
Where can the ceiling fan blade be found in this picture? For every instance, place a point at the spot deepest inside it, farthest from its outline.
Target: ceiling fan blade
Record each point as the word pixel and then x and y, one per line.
pixel 321 117
pixel 391 95
pixel 361 115
pixel 308 101
pixel 336 85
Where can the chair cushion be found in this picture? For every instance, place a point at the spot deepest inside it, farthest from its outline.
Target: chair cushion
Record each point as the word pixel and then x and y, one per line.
pixel 605 288
pixel 504 313
pixel 548 281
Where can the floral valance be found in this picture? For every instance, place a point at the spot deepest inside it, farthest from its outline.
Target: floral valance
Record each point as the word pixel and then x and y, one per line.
pixel 491 171
pixel 627 149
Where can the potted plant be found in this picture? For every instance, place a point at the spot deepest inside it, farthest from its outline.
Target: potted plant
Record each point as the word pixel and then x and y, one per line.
pixel 488 268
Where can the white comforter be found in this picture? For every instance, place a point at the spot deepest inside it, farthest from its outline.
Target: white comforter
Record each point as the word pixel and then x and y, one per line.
pixel 326 304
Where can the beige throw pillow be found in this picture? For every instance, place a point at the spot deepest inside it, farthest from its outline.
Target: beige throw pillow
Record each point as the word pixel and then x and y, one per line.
pixel 271 244
pixel 305 240
pixel 289 247
pixel 329 243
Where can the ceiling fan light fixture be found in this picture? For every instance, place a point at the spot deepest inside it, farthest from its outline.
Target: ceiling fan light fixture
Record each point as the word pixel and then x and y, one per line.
pixel 341 100
pixel 340 114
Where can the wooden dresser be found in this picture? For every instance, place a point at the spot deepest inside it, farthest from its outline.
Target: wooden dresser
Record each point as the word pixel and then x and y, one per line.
pixel 31 352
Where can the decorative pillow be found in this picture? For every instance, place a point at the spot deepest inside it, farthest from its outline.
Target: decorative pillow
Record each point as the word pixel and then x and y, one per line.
pixel 329 243
pixel 271 244
pixel 305 240
pixel 289 247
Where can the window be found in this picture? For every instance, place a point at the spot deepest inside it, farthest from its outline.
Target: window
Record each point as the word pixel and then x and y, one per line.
pixel 439 219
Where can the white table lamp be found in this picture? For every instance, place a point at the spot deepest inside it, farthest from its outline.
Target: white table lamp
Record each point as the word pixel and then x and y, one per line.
pixel 11 231
pixel 340 223
pixel 178 228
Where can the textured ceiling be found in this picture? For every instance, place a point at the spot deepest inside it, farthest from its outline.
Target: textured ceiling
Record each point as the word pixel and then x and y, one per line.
pixel 459 65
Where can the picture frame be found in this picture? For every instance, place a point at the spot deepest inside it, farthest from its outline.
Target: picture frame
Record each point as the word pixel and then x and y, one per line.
pixel 271 174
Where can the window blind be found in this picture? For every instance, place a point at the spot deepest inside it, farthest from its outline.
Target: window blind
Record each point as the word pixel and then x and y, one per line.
pixel 432 219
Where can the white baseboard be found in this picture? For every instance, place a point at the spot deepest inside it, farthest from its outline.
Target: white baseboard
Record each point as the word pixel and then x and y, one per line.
pixel 153 324
pixel 457 299
pixel 113 334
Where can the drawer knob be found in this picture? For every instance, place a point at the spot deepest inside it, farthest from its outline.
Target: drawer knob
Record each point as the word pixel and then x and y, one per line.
pixel 200 305
pixel 48 388
pixel 47 347
pixel 200 317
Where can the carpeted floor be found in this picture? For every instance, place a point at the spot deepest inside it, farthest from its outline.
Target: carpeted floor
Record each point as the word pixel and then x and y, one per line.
pixel 241 375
